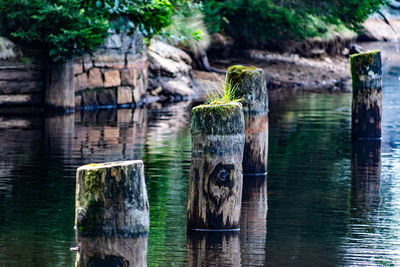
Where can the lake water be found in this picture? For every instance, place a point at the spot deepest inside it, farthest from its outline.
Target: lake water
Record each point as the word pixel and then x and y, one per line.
pixel 325 201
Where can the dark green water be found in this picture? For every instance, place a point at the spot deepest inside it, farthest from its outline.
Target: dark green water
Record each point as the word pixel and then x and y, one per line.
pixel 320 212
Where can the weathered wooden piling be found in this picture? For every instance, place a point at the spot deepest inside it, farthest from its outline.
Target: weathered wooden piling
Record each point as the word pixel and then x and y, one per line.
pixel 215 184
pixel 366 72
pixel 111 199
pixel 251 86
pixel 112 251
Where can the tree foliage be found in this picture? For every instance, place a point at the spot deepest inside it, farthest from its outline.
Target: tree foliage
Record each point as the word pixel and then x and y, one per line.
pixel 255 22
pixel 63 28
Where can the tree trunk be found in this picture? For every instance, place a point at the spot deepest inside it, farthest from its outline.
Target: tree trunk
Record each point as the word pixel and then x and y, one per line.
pixel 111 199
pixel 366 71
pixel 251 86
pixel 215 185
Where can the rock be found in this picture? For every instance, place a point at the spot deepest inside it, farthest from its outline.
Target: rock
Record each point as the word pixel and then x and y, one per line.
pixel 128 77
pixel 112 78
pixel 113 41
pixel 89 98
pixel 19 99
pixel 124 95
pixel 137 95
pixel 8 50
pixel 355 49
pixel 170 69
pixel 108 58
pixel 375 29
pixel 95 80
pixel 106 97
pixel 81 82
pixel 181 86
pixel 78 101
pixel 20 87
pixel 78 67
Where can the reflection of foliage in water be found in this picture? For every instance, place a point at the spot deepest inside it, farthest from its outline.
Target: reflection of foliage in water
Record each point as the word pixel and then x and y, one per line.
pixel 167 164
pixel 308 178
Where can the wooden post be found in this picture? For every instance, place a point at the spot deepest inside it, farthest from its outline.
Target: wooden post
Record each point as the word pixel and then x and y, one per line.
pixel 111 198
pixel 214 249
pixel 112 251
pixel 365 173
pixel 60 93
pixel 366 72
pixel 251 86
pixel 215 184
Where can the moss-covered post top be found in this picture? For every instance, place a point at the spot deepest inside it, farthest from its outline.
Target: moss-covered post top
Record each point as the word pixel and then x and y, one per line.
pixel 220 119
pixel 95 166
pixel 111 199
pixel 250 85
pixel 366 70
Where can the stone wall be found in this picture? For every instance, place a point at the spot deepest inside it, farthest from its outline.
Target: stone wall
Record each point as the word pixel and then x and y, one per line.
pixel 21 81
pixel 116 75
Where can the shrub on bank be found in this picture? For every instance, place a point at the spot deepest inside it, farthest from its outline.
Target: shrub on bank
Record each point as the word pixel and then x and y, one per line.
pixel 62 28
pixel 269 22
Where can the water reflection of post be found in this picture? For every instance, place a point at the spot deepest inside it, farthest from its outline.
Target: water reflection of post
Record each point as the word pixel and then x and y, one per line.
pixel 59 134
pixel 253 220
pixel 213 249
pixel 366 173
pixel 112 251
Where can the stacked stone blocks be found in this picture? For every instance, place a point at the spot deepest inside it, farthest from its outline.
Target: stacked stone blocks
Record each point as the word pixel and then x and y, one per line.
pixel 116 75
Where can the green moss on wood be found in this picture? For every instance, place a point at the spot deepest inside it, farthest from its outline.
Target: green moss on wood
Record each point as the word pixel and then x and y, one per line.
pixel 236 75
pixel 360 62
pixel 91 201
pixel 217 119
pixel 92 182
pixel 222 110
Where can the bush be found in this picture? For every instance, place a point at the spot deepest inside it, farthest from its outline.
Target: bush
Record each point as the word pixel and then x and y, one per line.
pixel 62 28
pixel 269 22
pixel 187 29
